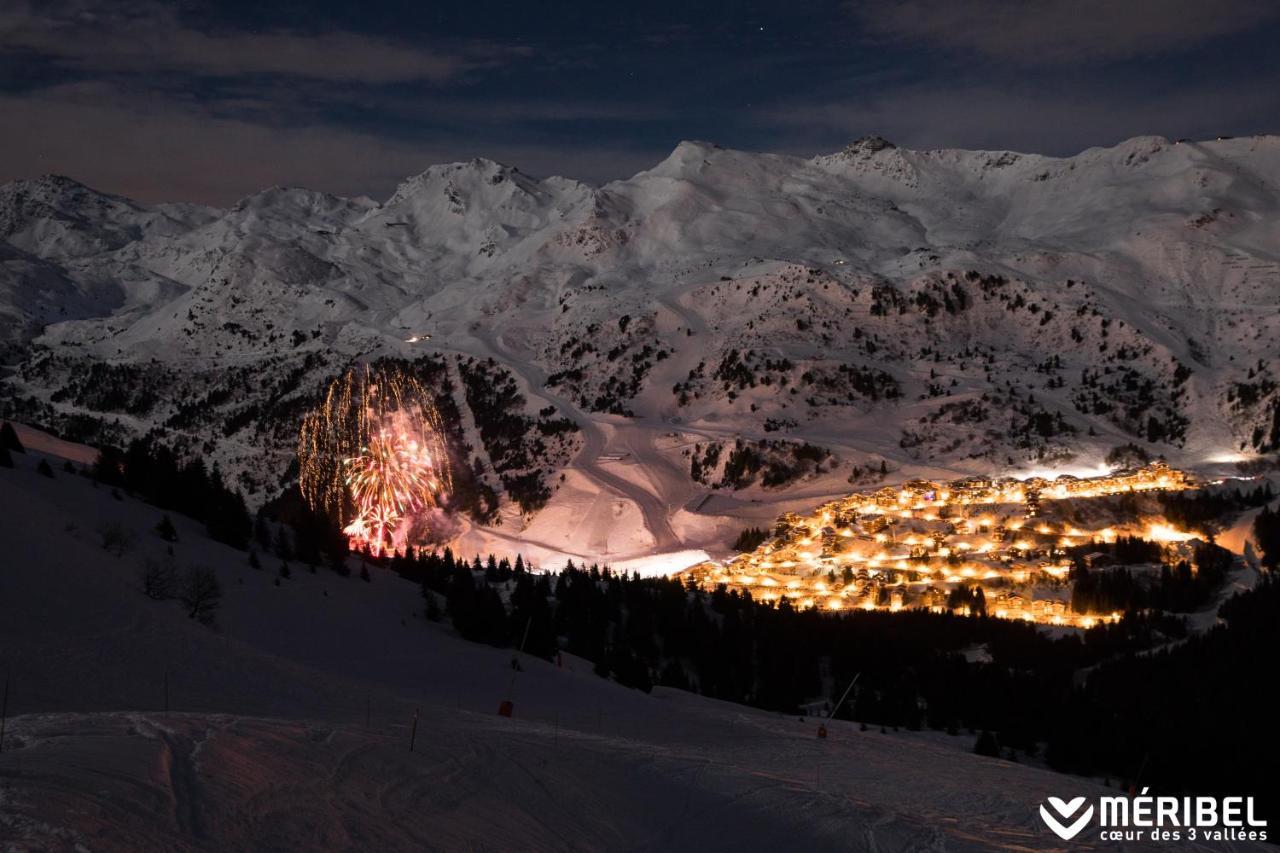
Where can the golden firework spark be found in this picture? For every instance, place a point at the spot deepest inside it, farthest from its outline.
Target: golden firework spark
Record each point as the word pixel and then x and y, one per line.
pixel 371 455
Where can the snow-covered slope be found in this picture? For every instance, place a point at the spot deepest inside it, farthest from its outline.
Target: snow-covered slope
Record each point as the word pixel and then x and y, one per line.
pixel 289 725
pixel 904 310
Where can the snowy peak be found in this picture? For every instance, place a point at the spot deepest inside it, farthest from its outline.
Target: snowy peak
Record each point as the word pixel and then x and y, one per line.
pixel 479 180
pixel 56 217
pixel 758 286
pixel 868 145
pixel 476 212
pixel 299 200
pixel 729 170
pixel 688 155
pixel 52 187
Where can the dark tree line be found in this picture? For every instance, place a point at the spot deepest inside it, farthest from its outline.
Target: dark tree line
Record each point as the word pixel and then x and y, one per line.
pixel 1189 718
pixel 1169 719
pixel 1266 530
pixel 750 539
pixel 9 438
pixel 773 462
pixel 515 442
pixel 153 473
pixel 1125 550
pixel 972 598
pixel 9 443
pixel 1199 509
pixel 1182 587
pixel 474 601
pixel 720 643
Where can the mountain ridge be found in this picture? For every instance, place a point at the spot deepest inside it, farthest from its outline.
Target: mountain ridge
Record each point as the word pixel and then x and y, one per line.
pixel 949 309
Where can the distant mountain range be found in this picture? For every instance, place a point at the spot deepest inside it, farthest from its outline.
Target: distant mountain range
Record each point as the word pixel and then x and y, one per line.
pixel 967 310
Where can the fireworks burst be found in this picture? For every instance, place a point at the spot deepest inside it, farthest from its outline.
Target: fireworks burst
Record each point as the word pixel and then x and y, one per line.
pixel 371 456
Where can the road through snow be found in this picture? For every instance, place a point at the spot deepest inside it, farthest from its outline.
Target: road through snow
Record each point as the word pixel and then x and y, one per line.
pixel 652 507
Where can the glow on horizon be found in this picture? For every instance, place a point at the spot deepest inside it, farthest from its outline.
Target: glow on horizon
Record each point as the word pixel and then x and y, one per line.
pixel 1082 471
pixel 1226 457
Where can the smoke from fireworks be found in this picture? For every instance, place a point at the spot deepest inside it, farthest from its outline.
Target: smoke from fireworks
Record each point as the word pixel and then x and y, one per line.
pixel 371 456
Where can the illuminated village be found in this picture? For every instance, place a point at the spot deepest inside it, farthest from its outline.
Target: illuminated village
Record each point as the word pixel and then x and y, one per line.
pixel 916 545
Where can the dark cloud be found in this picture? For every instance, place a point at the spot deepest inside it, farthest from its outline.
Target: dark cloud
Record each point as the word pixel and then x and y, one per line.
pixel 149 37
pixel 134 111
pixel 1062 31
pixel 169 149
pixel 209 102
pixel 1037 119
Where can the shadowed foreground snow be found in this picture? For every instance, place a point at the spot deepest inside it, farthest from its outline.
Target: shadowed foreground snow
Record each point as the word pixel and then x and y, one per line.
pixel 290 726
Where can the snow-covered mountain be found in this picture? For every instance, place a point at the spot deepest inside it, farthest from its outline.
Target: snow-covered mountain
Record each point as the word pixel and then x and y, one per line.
pixel 898 310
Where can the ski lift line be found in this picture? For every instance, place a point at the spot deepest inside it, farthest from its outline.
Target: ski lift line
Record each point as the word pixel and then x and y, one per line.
pixel 843 696
pixel 507 705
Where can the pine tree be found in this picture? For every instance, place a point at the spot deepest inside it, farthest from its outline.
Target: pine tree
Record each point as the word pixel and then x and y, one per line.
pixel 166 530
pixel 6 461
pixel 987 745
pixel 108 467
pixel 226 517
pixel 9 438
pixel 44 468
pixel 283 548
pixel 673 675
pixel 338 562
pixel 261 532
pixel 158 580
pixel 307 549
pixel 1266 530
pixel 462 601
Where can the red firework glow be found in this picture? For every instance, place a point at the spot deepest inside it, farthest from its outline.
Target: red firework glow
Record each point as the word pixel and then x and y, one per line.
pixel 393 478
pixel 371 456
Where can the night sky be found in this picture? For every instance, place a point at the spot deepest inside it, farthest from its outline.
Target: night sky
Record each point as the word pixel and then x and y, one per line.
pixel 209 102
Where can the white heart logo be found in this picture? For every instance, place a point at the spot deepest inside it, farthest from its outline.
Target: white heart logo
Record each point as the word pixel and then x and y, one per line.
pixel 1066 831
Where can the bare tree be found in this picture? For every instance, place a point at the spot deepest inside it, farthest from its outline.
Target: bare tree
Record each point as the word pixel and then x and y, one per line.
pixel 116 538
pixel 159 580
pixel 201 593
pixel 165 529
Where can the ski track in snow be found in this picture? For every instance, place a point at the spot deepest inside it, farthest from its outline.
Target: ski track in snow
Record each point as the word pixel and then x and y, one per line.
pixel 651 506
